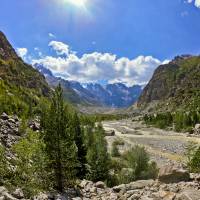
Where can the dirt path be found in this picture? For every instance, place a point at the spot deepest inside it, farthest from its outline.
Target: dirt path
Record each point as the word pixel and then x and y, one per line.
pixel 164 146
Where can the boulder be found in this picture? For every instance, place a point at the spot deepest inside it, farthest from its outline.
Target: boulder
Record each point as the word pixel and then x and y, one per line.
pixel 110 133
pixel 119 188
pixel 196 129
pixel 189 194
pixel 165 195
pixel 3 190
pixel 100 184
pixel 173 174
pixel 4 116
pixel 9 197
pixel 34 125
pixel 139 184
pixel 41 196
pixel 84 183
pixel 18 193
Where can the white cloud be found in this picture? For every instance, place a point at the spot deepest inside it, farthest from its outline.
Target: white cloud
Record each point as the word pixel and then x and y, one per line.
pixel 196 2
pixel 60 48
pixel 52 35
pixel 22 52
pixel 97 66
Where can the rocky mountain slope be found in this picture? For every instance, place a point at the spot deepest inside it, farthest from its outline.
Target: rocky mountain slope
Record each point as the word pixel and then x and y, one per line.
pixel 115 95
pixel 175 84
pixel 73 91
pixel 15 71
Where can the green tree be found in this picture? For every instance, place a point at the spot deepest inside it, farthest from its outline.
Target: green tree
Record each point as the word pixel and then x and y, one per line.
pixel 97 156
pixel 193 156
pixel 138 160
pixel 59 142
pixel 30 164
pixel 78 133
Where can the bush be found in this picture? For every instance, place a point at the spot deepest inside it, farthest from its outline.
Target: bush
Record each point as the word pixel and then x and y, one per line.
pixel 193 158
pixel 119 142
pixel 151 172
pixel 4 169
pixel 131 166
pixel 30 165
pixel 114 150
pixel 137 159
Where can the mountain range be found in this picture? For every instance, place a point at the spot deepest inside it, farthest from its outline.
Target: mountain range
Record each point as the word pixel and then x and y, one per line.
pixel 174 85
pixel 116 95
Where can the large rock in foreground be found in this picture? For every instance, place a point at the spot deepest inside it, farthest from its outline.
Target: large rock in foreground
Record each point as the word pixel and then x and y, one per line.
pixel 189 195
pixel 173 174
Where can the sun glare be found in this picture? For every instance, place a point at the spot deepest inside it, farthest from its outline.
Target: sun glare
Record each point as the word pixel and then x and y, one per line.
pixel 79 3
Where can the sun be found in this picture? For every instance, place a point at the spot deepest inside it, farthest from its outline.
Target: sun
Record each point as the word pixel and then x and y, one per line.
pixel 78 3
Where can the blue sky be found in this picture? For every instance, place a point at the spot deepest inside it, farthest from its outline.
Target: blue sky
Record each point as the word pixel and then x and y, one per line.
pixel 127 38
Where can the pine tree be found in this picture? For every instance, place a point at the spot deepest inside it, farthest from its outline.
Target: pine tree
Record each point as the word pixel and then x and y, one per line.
pixel 79 140
pixel 97 156
pixel 60 148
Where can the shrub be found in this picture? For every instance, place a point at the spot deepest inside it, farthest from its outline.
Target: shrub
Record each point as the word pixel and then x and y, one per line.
pixel 114 150
pixel 138 160
pixel 131 166
pixel 151 172
pixel 193 158
pixel 118 142
pixel 4 168
pixel 30 165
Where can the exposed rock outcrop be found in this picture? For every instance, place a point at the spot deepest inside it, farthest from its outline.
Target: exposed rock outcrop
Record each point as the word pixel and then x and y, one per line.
pixel 173 174
pixel 9 130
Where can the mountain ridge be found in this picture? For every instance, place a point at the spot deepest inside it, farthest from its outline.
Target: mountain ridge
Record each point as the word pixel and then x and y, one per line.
pixel 115 95
pixel 174 85
pixel 15 71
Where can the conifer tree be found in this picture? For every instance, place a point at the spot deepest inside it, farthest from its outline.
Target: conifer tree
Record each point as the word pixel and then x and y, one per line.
pixel 60 147
pixel 79 140
pixel 97 156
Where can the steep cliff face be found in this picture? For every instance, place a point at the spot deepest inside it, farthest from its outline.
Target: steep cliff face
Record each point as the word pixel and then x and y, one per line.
pixel 177 83
pixel 15 71
pixel 6 50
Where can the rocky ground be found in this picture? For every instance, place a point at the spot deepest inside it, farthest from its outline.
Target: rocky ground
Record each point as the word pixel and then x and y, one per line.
pixel 172 184
pixel 164 146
